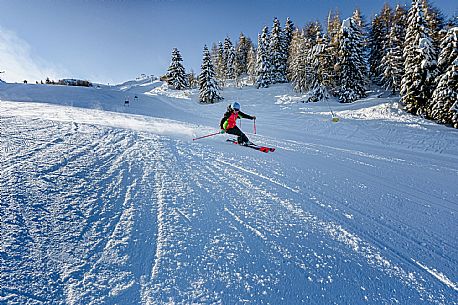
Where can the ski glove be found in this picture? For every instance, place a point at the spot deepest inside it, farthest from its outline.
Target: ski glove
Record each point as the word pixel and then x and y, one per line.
pixel 222 131
pixel 254 117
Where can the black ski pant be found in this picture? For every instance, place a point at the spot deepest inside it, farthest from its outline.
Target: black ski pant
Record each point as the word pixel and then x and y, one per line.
pixel 241 137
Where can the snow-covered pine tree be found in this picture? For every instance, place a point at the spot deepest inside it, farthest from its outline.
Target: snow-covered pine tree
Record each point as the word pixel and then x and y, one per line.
pixel 378 42
pixel 263 63
pixel 352 70
pixel 360 20
pixel 288 32
pixel 400 21
pixel 375 47
pixel 238 72
pixel 361 44
pixel 208 86
pixel 436 24
pixel 333 28
pixel 278 54
pixel 393 61
pixel 219 64
pixel 214 54
pixel 243 46
pixel 328 71
pixel 224 53
pixel 333 33
pixel 311 31
pixel 429 65
pixel 317 58
pixel 192 79
pixel 176 76
pixel 288 35
pixel 297 68
pixel 363 26
pixel 444 103
pixel 241 56
pixel 445 97
pixel 419 63
pixel 449 49
pixel 229 58
pixel 251 65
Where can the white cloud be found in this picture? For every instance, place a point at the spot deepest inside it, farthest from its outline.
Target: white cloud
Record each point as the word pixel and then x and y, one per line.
pixel 18 63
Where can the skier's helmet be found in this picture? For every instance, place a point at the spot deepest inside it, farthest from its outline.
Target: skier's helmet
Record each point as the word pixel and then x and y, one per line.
pixel 235 106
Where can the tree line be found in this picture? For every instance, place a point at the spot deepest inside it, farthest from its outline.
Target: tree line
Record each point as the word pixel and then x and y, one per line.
pixel 412 52
pixel 64 82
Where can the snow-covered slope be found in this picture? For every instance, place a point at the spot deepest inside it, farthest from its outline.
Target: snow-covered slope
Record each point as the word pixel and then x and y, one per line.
pixel 101 203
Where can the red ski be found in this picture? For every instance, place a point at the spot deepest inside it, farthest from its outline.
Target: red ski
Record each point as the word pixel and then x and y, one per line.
pixel 264 149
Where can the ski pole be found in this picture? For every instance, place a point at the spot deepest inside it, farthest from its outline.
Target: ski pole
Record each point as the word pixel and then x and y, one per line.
pixel 206 136
pixel 254 126
pixel 332 113
pixel 334 118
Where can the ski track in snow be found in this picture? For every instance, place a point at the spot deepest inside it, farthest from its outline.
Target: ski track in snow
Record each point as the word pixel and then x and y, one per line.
pixel 92 214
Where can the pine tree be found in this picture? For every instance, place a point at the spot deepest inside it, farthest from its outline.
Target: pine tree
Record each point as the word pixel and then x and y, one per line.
pixel 333 29
pixel 176 76
pixel 419 63
pixel 361 44
pixel 400 21
pixel 360 20
pixel 378 42
pixel 241 56
pixel 192 80
pixel 393 61
pixel 319 79
pixel 352 71
pixel 311 31
pixel 363 26
pixel 288 35
pixel 241 50
pixel 445 109
pixel 328 71
pixel 288 32
pixel 444 103
pixel 251 65
pixel 263 63
pixel 219 63
pixel 229 58
pixel 296 67
pixel 214 54
pixel 238 71
pixel 208 86
pixel 278 54
pixel 334 37
pixel 436 23
pixel 449 49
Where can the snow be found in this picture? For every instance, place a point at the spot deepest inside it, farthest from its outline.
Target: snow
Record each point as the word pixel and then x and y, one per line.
pixel 98 117
pixel 390 111
pixel 164 90
pixel 440 277
pixel 102 203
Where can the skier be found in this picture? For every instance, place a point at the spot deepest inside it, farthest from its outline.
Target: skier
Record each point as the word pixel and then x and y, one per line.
pixel 229 121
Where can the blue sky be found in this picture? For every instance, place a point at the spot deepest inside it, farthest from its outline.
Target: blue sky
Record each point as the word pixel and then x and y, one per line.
pixel 113 41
